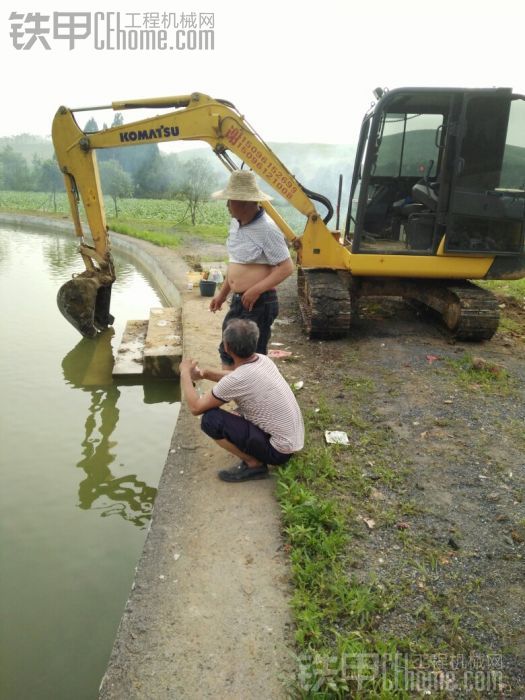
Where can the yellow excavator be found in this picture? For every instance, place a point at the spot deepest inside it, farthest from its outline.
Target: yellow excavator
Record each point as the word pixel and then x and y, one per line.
pixel 437 199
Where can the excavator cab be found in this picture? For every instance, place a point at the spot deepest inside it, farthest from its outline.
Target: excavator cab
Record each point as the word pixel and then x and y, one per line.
pixel 440 171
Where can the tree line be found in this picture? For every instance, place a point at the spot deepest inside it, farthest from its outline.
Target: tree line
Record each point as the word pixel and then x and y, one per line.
pixel 141 171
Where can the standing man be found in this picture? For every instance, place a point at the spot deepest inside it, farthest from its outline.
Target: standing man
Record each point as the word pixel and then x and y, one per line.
pixel 259 260
pixel 268 428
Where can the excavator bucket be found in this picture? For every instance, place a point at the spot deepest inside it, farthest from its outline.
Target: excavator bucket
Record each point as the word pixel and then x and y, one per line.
pixel 84 302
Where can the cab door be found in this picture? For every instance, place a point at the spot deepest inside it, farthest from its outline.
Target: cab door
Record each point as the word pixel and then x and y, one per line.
pixel 487 194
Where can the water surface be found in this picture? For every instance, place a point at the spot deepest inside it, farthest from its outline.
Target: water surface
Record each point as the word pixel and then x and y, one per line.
pixel 80 459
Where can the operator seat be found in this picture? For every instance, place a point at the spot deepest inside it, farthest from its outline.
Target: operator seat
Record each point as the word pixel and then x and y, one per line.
pixel 424 192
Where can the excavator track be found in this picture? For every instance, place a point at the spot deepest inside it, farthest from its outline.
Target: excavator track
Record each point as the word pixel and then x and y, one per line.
pixel 468 311
pixel 324 300
pixel 472 313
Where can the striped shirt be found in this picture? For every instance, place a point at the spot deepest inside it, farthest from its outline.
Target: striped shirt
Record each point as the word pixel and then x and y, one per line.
pixel 260 242
pixel 265 399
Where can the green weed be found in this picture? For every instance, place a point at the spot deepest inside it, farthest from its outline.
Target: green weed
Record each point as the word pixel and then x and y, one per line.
pixel 359 385
pixel 478 374
pixel 508 324
pixel 510 288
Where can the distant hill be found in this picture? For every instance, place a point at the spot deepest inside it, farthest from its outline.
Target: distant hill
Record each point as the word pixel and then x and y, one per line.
pixel 316 166
pixel 418 150
pixel 513 174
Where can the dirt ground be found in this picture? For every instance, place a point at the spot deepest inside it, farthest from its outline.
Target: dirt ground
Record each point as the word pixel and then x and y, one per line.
pixel 434 474
pixel 433 478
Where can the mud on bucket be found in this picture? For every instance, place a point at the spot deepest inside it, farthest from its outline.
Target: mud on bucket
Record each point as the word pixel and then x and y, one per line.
pixel 207 288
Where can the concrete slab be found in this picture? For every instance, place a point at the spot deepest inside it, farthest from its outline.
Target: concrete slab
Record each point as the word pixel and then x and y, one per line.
pixel 151 348
pixel 128 362
pixel 163 346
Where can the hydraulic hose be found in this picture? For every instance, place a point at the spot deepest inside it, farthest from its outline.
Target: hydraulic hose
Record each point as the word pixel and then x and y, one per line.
pixel 322 200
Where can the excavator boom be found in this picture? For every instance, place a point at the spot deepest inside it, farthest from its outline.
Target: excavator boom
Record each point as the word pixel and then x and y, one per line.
pixel 195 117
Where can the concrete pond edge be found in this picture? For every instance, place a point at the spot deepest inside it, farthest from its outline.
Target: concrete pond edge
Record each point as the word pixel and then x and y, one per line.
pixel 208 613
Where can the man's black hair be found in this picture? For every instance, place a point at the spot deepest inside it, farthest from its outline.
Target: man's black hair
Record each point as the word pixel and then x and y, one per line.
pixel 241 336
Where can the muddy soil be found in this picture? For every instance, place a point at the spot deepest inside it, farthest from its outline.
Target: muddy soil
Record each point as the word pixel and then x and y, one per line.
pixel 435 473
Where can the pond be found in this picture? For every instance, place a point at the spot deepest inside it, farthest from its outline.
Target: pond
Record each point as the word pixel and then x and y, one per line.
pixel 80 459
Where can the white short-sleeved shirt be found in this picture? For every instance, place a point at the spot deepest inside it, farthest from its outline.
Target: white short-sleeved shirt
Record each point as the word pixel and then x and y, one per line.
pixel 259 242
pixel 265 399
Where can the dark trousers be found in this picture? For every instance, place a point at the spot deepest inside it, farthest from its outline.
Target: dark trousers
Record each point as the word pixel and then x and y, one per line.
pixel 264 312
pixel 223 425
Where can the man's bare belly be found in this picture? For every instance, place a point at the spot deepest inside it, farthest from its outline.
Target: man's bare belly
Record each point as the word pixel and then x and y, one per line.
pixel 243 276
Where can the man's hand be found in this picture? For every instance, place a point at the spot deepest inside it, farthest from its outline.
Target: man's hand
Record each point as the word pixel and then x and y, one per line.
pixel 216 303
pixel 249 298
pixel 193 369
pixel 189 372
pixel 196 373
pixel 221 296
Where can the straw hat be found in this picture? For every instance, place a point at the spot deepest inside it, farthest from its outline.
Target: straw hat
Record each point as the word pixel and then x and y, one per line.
pixel 242 187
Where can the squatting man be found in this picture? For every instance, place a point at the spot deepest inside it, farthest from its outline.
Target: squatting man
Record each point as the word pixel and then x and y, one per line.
pixel 267 427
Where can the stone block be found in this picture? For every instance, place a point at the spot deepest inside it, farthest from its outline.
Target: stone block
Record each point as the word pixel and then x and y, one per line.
pixel 163 344
pixel 128 361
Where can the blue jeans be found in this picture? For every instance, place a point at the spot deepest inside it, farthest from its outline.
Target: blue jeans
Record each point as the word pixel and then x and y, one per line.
pixel 264 312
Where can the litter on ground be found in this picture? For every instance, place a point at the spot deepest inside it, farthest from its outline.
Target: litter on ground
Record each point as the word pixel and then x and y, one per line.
pixel 279 353
pixel 336 437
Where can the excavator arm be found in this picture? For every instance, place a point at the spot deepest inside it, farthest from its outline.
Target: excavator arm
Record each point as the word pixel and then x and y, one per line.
pixel 84 301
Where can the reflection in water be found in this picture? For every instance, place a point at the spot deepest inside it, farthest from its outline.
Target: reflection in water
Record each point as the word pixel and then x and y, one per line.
pixel 88 367
pixel 60 253
pixel 132 499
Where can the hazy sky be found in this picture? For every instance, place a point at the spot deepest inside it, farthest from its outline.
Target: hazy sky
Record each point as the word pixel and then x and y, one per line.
pixel 297 74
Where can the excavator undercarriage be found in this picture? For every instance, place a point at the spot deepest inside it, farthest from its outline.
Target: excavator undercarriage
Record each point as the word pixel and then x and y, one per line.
pixel 329 300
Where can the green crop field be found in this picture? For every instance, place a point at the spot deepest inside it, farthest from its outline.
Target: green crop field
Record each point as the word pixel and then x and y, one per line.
pixel 176 211
pixel 172 211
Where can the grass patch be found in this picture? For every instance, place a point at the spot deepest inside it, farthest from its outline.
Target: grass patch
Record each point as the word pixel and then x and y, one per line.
pixel 509 288
pixel 162 233
pixel 166 240
pixel 335 612
pixel 511 326
pixel 477 374
pixel 325 596
pixel 371 583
